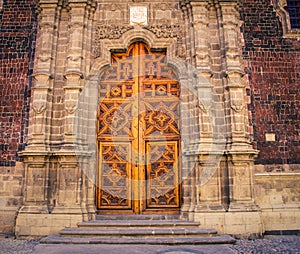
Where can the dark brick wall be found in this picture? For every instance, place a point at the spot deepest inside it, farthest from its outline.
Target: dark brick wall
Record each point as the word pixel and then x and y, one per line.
pixel 17 42
pixel 273 67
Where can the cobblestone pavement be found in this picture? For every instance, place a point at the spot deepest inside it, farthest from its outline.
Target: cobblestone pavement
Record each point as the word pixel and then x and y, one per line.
pixel 268 245
pixel 12 246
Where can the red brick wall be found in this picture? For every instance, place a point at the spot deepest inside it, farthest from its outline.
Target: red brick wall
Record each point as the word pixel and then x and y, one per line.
pixel 17 42
pixel 273 67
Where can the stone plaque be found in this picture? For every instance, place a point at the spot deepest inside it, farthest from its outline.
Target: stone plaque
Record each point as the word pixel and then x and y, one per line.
pixel 138 15
pixel 270 137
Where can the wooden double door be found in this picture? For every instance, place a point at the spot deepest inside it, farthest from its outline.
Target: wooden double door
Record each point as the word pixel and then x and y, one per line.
pixel 138 134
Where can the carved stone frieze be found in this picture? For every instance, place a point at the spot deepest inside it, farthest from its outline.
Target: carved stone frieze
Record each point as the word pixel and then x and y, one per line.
pixel 164 6
pixel 165 30
pixel 108 32
pixel 111 31
pixel 169 31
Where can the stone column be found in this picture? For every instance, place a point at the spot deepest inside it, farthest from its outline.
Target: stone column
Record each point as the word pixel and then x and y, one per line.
pixel 81 12
pixel 203 63
pixel 74 74
pixel 239 136
pixel 36 153
pixel 240 153
pixel 39 131
pixel 187 33
pixel 72 93
pixel 41 105
pixel 73 183
pixel 201 31
pixel 206 113
pixel 208 183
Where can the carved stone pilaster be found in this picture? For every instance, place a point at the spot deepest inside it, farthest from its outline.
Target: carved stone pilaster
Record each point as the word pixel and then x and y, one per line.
pixel 201 22
pixel 38 131
pixel 238 111
pixel 45 39
pixel 239 136
pixel 72 93
pixel 205 105
pixel 76 32
pixel 232 40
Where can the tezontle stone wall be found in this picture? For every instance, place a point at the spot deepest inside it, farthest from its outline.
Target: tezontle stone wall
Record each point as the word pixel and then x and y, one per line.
pixel 273 70
pixel 17 43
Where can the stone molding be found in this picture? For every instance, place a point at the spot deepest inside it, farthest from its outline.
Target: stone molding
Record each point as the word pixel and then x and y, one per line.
pixel 279 6
pixel 114 32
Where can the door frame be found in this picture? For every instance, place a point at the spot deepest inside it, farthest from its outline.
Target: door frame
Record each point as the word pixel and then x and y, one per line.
pixel 140 205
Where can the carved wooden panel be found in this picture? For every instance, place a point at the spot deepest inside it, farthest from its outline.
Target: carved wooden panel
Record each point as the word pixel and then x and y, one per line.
pixel 162 174
pixel 138 117
pixel 115 175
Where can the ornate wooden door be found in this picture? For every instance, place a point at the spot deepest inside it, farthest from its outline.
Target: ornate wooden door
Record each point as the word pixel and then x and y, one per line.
pixel 138 134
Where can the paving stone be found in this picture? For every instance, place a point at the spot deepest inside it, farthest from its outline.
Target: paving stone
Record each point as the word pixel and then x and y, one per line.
pixel 268 245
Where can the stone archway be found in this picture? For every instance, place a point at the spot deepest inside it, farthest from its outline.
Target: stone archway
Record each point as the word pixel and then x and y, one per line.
pixel 138 134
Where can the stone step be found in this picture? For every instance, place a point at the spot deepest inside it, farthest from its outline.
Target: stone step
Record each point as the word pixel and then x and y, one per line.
pixel 219 239
pixel 135 217
pixel 137 232
pixel 137 229
pixel 138 224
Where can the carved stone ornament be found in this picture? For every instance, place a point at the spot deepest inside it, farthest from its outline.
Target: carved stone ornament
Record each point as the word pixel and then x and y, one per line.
pixel 202 107
pixel 44 57
pixel 238 108
pixel 108 32
pixel 169 31
pixel 165 30
pixel 39 106
pixel 74 58
pixel 71 106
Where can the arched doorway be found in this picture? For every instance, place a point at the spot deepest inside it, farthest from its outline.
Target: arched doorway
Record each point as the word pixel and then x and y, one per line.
pixel 138 134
